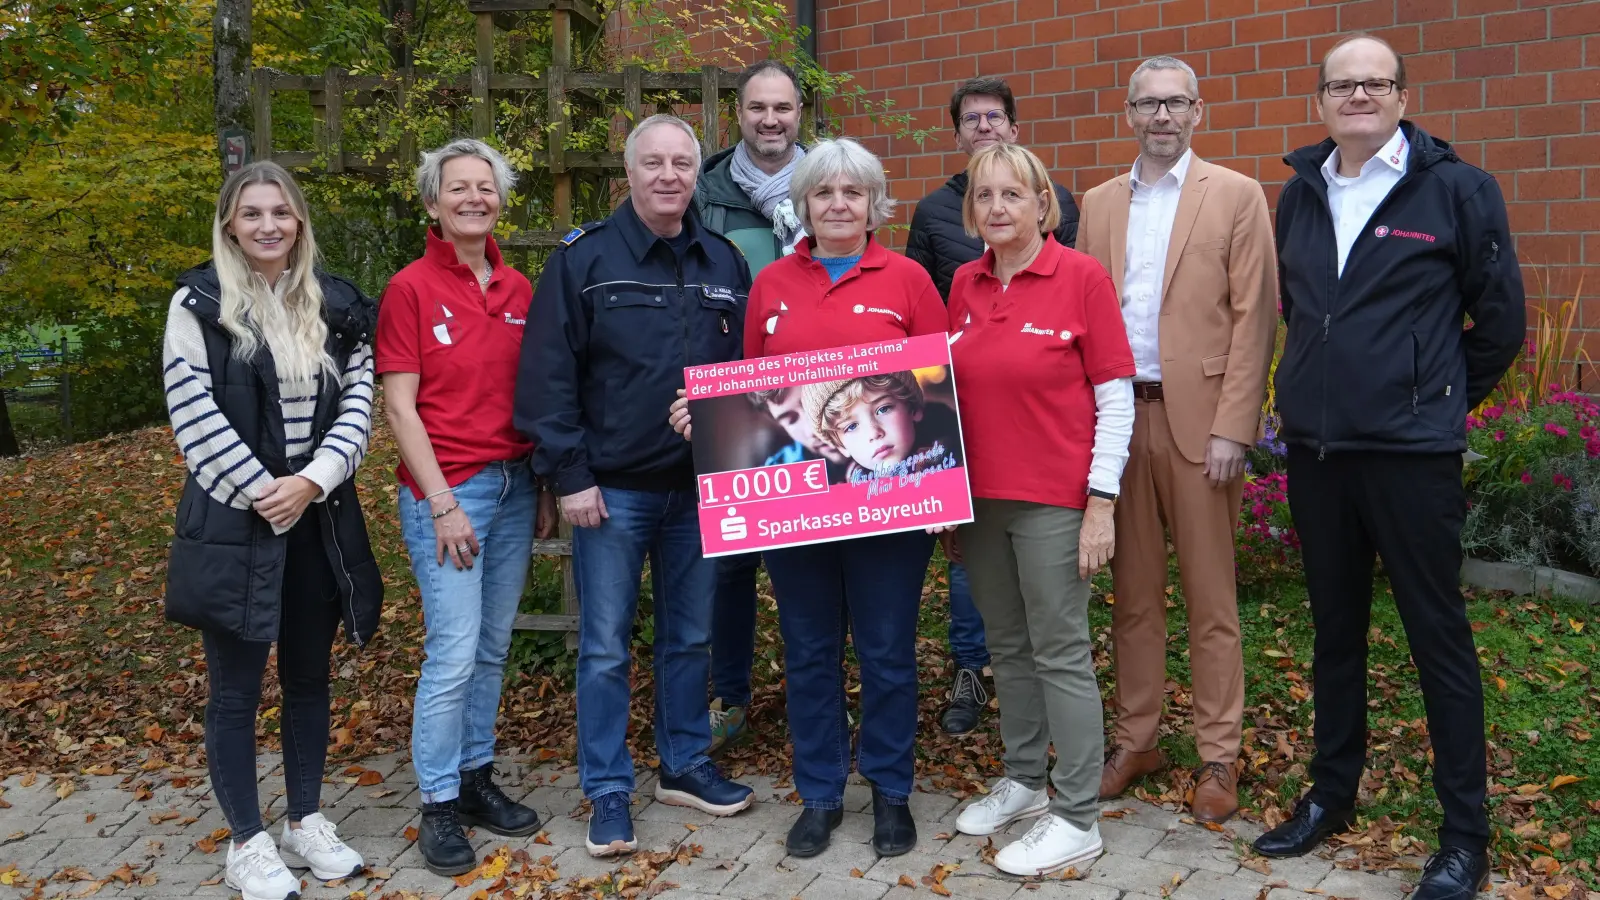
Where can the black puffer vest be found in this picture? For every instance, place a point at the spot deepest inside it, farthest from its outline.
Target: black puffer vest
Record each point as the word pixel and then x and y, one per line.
pixel 225 573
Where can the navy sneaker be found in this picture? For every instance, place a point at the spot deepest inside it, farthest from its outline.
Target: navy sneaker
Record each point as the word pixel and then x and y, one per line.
pixel 704 788
pixel 610 826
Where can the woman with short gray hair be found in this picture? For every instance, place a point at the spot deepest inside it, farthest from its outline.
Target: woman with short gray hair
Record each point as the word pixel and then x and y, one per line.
pixel 842 287
pixel 449 340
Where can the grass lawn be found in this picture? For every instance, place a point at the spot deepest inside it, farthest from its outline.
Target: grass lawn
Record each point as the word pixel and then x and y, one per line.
pixel 91 677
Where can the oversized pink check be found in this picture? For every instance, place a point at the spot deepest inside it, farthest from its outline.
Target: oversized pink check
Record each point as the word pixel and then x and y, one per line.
pixel 828 444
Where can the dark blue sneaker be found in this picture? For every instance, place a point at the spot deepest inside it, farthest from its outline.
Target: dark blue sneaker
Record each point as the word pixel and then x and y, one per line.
pixel 610 826
pixel 704 788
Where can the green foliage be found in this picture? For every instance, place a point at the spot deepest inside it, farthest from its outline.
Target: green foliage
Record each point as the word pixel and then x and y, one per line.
pixel 63 57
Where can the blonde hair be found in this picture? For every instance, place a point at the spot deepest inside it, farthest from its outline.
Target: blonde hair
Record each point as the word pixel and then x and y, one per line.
pixel 825 401
pixel 254 313
pixel 1027 167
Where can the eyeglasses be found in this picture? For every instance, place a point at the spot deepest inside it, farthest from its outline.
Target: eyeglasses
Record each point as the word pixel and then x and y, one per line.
pixel 997 119
pixel 1375 87
pixel 1176 106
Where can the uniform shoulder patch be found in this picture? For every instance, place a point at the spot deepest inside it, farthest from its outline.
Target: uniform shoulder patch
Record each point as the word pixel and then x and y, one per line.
pixel 726 240
pixel 580 231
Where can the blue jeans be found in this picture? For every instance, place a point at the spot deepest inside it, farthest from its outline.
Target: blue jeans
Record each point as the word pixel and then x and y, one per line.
pixel 607 563
pixel 871 586
pixel 966 625
pixel 468 615
pixel 733 628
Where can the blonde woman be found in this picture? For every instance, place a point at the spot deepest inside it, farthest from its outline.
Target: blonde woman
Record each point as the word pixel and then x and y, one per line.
pixel 269 387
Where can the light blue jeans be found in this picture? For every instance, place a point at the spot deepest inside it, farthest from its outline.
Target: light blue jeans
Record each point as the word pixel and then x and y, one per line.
pixel 607 564
pixel 468 615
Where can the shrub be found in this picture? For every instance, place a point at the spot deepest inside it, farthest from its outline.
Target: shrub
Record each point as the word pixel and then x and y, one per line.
pixel 1532 498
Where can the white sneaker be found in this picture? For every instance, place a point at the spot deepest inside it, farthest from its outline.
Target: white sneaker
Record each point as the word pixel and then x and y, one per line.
pixel 1007 802
pixel 257 872
pixel 1053 843
pixel 316 846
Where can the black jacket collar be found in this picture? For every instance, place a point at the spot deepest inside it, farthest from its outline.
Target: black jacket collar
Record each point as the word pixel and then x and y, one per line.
pixel 349 313
pixel 640 238
pixel 1426 150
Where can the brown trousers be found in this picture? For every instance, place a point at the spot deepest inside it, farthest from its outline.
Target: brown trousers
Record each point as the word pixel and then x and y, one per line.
pixel 1163 491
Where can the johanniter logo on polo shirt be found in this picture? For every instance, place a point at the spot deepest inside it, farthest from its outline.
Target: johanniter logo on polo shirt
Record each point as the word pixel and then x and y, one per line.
pixel 1028 328
pixel 863 308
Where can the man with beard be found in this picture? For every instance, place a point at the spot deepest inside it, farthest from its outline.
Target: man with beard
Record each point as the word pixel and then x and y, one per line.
pixel 983 112
pixel 1189 248
pixel 743 194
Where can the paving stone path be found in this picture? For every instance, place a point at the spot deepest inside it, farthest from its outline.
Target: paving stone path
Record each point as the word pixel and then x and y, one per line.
pixel 1150 852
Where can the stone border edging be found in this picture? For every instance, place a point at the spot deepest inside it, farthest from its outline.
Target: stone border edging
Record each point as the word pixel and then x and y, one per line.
pixel 1530 580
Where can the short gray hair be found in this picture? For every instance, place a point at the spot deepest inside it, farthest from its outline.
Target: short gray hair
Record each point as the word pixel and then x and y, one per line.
pixel 430 174
pixel 830 159
pixel 1156 63
pixel 630 149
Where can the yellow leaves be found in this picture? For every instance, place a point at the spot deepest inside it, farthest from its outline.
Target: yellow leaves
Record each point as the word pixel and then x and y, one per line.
pixel 65 789
pixel 857 873
pixel 905 881
pixel 369 778
pixel 1557 891
pixel 1563 780
pixel 11 876
pixel 1500 683
pixel 1577 626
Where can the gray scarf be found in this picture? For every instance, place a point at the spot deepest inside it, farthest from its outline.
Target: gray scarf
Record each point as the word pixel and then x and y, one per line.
pixel 770 193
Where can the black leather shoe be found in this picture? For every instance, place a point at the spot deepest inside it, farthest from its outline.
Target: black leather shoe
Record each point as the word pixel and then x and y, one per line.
pixel 894 832
pixel 967 700
pixel 483 803
pixel 1304 831
pixel 809 835
pixel 1453 873
pixel 445 850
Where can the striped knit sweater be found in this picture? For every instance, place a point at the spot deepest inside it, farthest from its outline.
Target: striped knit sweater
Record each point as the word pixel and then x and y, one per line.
pixel 213 451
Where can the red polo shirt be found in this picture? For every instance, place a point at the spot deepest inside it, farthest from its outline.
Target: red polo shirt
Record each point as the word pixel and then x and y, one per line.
pixel 795 307
pixel 434 321
pixel 1026 363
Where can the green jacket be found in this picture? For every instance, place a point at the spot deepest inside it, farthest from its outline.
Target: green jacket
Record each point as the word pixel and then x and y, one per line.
pixel 726 209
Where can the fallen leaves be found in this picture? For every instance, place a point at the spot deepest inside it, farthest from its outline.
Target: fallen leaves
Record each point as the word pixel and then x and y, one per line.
pixel 1561 781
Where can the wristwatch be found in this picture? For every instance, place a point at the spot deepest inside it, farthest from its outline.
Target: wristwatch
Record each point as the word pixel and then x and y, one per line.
pixel 1103 495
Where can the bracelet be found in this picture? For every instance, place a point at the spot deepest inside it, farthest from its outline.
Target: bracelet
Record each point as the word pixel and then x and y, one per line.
pixel 439 515
pixel 443 490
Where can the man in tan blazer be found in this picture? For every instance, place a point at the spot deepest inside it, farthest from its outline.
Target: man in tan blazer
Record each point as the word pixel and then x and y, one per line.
pixel 1190 249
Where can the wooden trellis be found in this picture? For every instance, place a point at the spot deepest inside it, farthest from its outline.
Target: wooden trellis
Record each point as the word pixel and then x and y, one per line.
pixel 335 90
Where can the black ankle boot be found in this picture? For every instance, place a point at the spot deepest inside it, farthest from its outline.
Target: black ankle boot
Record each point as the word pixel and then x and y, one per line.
pixel 445 850
pixel 894 832
pixel 483 803
pixel 809 835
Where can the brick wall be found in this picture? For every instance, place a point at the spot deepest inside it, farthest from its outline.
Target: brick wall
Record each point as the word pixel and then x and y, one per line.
pixel 1513 84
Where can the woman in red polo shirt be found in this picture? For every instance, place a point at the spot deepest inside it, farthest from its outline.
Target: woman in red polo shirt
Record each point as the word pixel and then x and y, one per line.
pixel 449 339
pixel 842 287
pixel 1044 378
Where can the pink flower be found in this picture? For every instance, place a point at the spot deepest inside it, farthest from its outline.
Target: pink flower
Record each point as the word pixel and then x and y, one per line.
pixel 1561 481
pixel 1473 422
pixel 1555 429
pixel 1527 478
pixel 1494 412
pixel 1588 432
pixel 1499 435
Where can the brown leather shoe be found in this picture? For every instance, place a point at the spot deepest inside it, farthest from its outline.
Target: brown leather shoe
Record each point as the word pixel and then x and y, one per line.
pixel 1216 793
pixel 1123 767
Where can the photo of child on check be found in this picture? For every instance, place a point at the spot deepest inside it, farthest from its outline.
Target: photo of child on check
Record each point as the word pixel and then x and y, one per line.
pixel 884 424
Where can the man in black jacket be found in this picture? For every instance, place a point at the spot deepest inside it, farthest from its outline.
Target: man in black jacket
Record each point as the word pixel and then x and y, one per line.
pixel 621 308
pixel 1387 244
pixel 983 112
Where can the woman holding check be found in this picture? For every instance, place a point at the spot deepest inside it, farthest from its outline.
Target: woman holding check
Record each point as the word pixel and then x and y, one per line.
pixel 839 288
pixel 1044 379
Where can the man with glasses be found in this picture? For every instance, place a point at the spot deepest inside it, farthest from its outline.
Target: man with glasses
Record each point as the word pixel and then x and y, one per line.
pixel 983 112
pixel 1189 248
pixel 1387 241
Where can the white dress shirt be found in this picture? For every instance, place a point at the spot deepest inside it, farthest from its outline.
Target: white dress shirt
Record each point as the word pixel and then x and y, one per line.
pixel 1353 200
pixel 1150 216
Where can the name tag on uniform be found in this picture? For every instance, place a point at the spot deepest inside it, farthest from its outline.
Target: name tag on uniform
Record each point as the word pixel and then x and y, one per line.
pixel 717 292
